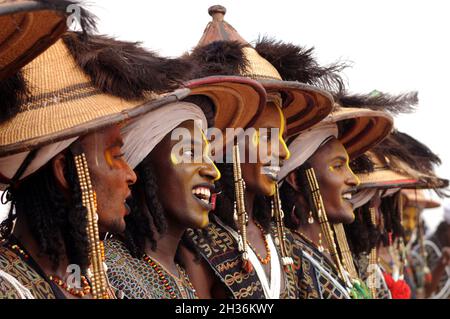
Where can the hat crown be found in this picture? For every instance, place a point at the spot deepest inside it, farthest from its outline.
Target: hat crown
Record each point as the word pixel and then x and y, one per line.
pixel 219 30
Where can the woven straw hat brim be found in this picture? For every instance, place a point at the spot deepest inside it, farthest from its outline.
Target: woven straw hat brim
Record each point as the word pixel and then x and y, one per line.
pixel 62 103
pixel 27 29
pixel 363 128
pixel 304 105
pixel 66 120
pixel 386 179
pixel 418 199
pixel 238 100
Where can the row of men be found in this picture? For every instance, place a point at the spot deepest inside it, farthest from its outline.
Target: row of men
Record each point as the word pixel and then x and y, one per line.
pixel 116 189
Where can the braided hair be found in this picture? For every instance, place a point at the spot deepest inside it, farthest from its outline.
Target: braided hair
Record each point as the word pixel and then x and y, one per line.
pixel 147 212
pixel 56 222
pixel 296 215
pixel 362 234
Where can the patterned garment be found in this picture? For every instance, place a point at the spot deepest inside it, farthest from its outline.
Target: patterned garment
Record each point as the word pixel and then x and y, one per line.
pixel 14 265
pixel 318 278
pixel 134 278
pixel 433 256
pixel 382 290
pixel 220 250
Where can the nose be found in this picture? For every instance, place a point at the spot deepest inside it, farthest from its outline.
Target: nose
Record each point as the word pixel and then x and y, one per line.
pixel 352 179
pixel 130 175
pixel 209 169
pixel 285 154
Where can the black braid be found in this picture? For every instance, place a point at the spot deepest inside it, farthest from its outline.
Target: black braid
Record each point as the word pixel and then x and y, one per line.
pixel 288 199
pixel 57 224
pixel 146 211
pixel 362 234
pixel 225 201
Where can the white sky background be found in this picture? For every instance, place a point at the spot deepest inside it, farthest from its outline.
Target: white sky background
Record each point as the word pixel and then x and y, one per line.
pixel 395 46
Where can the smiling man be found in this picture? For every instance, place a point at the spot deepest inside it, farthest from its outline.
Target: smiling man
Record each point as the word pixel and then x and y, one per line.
pixel 245 250
pixel 176 187
pixel 62 161
pixel 316 194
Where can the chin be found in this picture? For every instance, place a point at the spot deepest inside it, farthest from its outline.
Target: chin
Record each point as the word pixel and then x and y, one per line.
pixel 349 218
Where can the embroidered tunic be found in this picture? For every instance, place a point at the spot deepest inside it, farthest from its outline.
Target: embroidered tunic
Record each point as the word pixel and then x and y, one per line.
pixel 382 290
pixel 28 278
pixel 135 278
pixel 221 252
pixel 318 278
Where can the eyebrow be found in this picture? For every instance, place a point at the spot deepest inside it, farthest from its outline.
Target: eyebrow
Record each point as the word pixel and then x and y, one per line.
pixel 340 157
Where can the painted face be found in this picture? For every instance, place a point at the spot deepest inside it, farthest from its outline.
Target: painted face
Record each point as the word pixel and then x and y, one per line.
pixel 336 179
pixel 409 219
pixel 111 177
pixel 261 177
pixel 185 188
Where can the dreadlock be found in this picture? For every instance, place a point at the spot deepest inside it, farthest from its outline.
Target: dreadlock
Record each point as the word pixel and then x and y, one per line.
pixel 146 208
pixel 294 214
pixel 57 223
pixel 225 202
pixel 392 220
pixel 362 234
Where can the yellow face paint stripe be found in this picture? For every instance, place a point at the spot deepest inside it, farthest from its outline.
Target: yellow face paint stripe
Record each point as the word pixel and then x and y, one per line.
pixel 207 146
pixel 282 127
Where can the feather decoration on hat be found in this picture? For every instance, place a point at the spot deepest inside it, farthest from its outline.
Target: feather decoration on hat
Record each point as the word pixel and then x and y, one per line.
pixel 219 58
pixel 380 101
pixel 87 20
pixel 297 63
pixel 125 69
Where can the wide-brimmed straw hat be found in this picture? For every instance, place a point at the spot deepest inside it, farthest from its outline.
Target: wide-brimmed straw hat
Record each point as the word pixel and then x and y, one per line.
pixel 62 103
pixel 417 198
pixel 357 129
pixel 30 27
pixel 65 96
pixel 303 105
pixel 400 161
pixel 361 129
pixel 237 100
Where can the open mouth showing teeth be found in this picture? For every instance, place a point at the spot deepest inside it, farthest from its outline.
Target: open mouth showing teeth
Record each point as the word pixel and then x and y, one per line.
pixel 202 193
pixel 271 172
pixel 347 196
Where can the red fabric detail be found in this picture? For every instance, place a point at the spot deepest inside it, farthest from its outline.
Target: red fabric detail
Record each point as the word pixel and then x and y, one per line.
pixel 399 289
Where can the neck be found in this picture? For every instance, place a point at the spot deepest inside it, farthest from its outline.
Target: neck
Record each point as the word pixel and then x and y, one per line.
pixel 249 203
pixel 23 234
pixel 167 246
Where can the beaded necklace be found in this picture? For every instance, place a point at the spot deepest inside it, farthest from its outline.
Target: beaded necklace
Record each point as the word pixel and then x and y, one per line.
pixel 163 279
pixel 268 257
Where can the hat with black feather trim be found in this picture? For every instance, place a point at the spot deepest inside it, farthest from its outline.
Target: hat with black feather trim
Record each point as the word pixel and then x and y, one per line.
pixel 401 161
pixel 221 50
pixel 81 84
pixel 29 27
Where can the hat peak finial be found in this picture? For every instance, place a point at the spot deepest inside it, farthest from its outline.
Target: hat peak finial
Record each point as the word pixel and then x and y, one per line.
pixel 217 12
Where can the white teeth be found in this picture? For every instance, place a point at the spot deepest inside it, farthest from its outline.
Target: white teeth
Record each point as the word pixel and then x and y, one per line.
pixel 202 193
pixel 347 196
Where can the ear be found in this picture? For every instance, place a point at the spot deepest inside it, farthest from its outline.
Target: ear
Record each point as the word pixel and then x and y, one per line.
pixel 291 179
pixel 59 167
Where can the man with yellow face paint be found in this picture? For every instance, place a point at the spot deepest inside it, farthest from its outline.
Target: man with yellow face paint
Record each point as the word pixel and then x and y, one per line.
pixel 316 195
pixel 170 154
pixel 246 251
pixel 377 236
